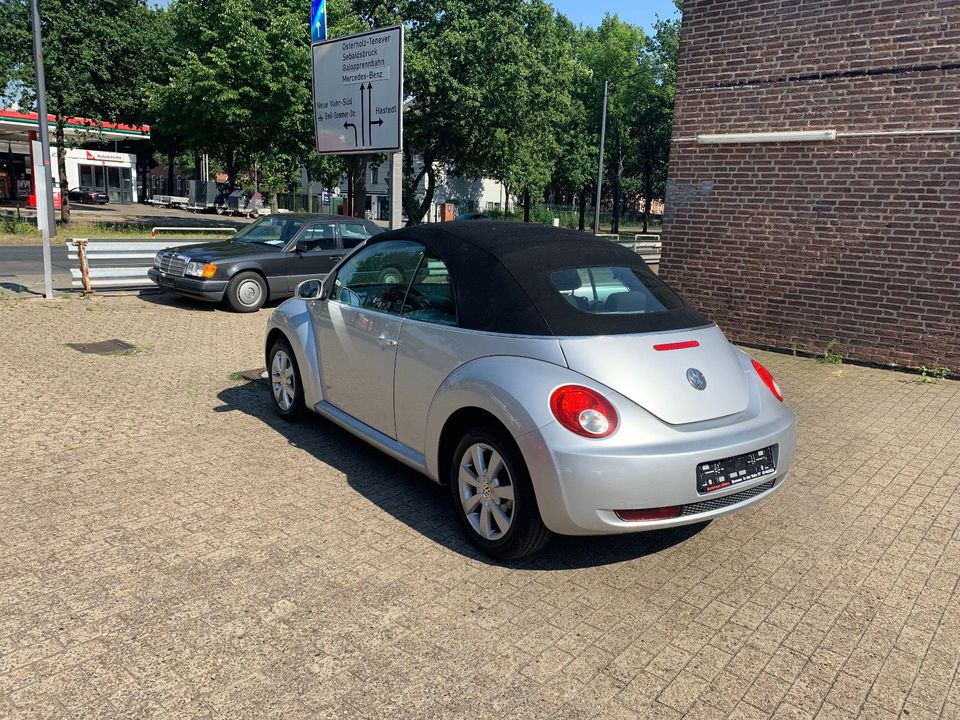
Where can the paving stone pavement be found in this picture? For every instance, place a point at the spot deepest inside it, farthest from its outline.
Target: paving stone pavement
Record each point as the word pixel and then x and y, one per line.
pixel 169 549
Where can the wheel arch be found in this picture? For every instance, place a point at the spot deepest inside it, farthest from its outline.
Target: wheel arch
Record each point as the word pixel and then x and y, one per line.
pixel 237 269
pixel 454 428
pixel 291 321
pixel 511 391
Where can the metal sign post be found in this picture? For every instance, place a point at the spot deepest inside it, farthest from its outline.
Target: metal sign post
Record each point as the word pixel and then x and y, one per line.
pixel 42 173
pixel 603 141
pixel 358 100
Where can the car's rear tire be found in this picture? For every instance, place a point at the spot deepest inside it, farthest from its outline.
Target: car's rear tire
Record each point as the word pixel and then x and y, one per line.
pixel 286 388
pixel 493 497
pixel 246 292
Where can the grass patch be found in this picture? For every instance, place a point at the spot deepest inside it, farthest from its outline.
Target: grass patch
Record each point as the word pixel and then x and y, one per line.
pixel 928 375
pixel 829 357
pixel 15 231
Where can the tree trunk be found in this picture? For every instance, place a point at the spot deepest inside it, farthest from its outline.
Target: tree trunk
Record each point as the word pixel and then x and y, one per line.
pixel 348 208
pixel 423 207
pixel 145 180
pixel 617 193
pixel 647 192
pixel 359 171
pixel 230 167
pixel 581 225
pixel 414 208
pixel 526 205
pixel 61 173
pixel 171 159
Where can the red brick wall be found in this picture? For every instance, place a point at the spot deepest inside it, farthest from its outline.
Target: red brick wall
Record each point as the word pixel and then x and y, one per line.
pixel 797 244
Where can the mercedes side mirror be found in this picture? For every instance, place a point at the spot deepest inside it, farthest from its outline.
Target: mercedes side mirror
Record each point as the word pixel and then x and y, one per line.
pixel 310 290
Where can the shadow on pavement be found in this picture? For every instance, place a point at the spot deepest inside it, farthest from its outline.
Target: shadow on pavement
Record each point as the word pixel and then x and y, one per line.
pixel 424 506
pixel 156 296
pixel 19 288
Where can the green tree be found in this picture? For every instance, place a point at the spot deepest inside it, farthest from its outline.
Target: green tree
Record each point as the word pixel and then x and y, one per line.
pixel 242 91
pixel 92 62
pixel 487 82
pixel 614 53
pixel 578 130
pixel 652 123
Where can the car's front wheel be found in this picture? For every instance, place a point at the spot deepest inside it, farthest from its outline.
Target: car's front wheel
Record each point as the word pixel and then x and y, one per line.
pixel 246 292
pixel 286 389
pixel 493 496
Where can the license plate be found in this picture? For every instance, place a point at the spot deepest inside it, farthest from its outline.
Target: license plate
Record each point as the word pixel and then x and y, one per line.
pixel 720 474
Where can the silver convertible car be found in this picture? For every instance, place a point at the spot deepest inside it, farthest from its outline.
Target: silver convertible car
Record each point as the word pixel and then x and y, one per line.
pixel 550 379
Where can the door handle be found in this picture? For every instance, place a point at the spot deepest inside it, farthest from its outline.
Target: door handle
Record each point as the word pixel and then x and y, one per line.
pixel 336 257
pixel 386 342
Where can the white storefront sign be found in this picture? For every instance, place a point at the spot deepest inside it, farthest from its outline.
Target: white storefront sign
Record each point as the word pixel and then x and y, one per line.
pixel 89 168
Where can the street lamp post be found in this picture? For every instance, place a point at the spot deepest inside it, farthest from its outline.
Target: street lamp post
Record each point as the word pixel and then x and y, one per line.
pixel 603 140
pixel 50 225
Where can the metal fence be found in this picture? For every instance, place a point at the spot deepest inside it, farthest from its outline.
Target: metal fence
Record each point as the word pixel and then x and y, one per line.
pixel 295 202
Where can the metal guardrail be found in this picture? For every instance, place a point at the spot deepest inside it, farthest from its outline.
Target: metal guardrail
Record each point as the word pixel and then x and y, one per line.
pixel 116 263
pixel 647 247
pixel 192 230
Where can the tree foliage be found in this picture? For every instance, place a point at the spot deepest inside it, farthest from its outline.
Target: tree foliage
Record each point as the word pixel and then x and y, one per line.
pixel 92 62
pixel 507 89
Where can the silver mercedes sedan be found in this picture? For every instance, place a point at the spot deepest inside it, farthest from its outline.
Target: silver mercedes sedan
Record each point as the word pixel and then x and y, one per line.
pixel 550 379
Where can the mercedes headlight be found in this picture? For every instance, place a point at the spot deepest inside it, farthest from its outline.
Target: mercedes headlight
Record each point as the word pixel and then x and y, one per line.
pixel 200 270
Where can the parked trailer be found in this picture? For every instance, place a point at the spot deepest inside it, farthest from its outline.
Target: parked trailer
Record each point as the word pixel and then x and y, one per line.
pixel 203 196
pixel 169 200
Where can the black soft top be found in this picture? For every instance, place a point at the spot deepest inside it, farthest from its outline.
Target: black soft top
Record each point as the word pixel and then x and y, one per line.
pixel 501 277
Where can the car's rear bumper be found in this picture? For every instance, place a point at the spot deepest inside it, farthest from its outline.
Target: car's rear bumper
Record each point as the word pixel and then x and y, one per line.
pixel 580 484
pixel 211 290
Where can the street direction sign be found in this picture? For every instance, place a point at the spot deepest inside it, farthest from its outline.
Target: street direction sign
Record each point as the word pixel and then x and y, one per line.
pixel 318 20
pixel 358 92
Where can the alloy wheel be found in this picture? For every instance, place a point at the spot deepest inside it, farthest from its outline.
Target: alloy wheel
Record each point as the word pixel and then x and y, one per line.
pixel 282 380
pixel 486 491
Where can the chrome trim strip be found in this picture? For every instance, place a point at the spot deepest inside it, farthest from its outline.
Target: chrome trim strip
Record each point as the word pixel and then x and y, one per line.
pixel 397 450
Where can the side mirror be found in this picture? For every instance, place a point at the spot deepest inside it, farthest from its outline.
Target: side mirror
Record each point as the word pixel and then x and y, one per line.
pixel 310 290
pixel 301 247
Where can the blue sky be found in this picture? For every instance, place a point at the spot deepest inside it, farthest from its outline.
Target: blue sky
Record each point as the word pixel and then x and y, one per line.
pixel 638 12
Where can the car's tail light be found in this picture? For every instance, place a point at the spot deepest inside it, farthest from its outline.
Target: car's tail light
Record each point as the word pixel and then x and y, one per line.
pixel 768 380
pixel 583 411
pixel 657 513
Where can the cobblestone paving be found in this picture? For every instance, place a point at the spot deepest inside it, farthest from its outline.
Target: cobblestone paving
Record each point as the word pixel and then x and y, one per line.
pixel 168 549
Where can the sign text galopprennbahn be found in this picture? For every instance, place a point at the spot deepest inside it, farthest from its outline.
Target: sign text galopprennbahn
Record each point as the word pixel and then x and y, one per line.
pixel 358 92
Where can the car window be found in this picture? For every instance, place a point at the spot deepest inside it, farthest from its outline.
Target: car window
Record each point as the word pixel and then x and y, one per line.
pixel 318 237
pixel 292 228
pixel 608 289
pixel 266 231
pixel 430 297
pixel 377 277
pixel 353 233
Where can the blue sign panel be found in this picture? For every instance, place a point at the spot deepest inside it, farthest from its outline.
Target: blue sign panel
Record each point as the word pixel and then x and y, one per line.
pixel 318 20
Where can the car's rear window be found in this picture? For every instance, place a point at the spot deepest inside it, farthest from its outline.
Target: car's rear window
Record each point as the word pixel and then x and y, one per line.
pixel 617 290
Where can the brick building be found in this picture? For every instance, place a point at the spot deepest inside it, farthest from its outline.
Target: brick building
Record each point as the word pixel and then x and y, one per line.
pixel 850 231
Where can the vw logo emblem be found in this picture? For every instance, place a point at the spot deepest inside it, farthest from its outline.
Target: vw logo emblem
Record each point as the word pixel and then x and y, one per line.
pixel 696 379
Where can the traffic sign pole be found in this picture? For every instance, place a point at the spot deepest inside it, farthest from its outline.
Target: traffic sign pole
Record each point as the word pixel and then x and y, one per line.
pixel 44 204
pixel 396 190
pixel 603 140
